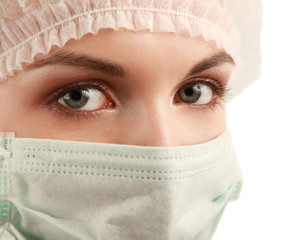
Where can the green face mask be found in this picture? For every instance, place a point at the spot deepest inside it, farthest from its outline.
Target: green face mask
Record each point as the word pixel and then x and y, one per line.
pixel 69 190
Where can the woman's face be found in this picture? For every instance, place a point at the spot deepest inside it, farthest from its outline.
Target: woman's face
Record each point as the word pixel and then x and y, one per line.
pixel 124 87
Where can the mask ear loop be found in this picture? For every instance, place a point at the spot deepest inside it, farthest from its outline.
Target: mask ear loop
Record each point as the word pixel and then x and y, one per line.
pixel 5 153
pixel 5 144
pixel 6 140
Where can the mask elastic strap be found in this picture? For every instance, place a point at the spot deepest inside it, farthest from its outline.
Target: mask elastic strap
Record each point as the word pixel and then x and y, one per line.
pixel 4 152
pixel 6 141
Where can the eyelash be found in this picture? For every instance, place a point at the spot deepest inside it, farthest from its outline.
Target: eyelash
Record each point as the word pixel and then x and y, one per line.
pixel 219 93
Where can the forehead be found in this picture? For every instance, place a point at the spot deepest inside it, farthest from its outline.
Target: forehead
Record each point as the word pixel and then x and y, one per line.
pixel 128 45
pixel 136 54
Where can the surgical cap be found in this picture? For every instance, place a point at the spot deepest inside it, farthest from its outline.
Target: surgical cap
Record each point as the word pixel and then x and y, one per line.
pixel 29 27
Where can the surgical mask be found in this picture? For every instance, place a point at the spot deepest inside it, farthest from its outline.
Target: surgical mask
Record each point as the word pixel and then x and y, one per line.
pixel 54 189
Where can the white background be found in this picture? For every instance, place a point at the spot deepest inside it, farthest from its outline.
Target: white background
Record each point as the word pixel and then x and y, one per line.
pixel 261 122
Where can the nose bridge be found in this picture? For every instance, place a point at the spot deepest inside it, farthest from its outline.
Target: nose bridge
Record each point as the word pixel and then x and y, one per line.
pixel 153 124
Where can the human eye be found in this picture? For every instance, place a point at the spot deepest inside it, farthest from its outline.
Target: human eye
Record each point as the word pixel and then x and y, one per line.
pixel 201 93
pixel 83 99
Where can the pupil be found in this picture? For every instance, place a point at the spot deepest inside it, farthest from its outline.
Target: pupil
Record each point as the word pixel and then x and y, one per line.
pixel 76 95
pixel 189 91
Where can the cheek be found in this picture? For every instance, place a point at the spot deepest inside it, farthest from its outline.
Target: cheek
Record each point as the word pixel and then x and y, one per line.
pixel 39 122
pixel 10 108
pixel 15 107
pixel 194 127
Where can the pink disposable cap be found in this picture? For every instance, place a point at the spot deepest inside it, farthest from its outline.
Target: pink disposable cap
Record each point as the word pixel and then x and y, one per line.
pixel 34 26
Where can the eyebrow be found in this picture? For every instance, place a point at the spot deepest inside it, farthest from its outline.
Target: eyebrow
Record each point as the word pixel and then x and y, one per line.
pixel 66 58
pixel 106 67
pixel 210 62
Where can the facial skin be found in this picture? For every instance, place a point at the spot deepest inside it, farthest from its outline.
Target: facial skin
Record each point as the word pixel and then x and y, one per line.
pixel 140 108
